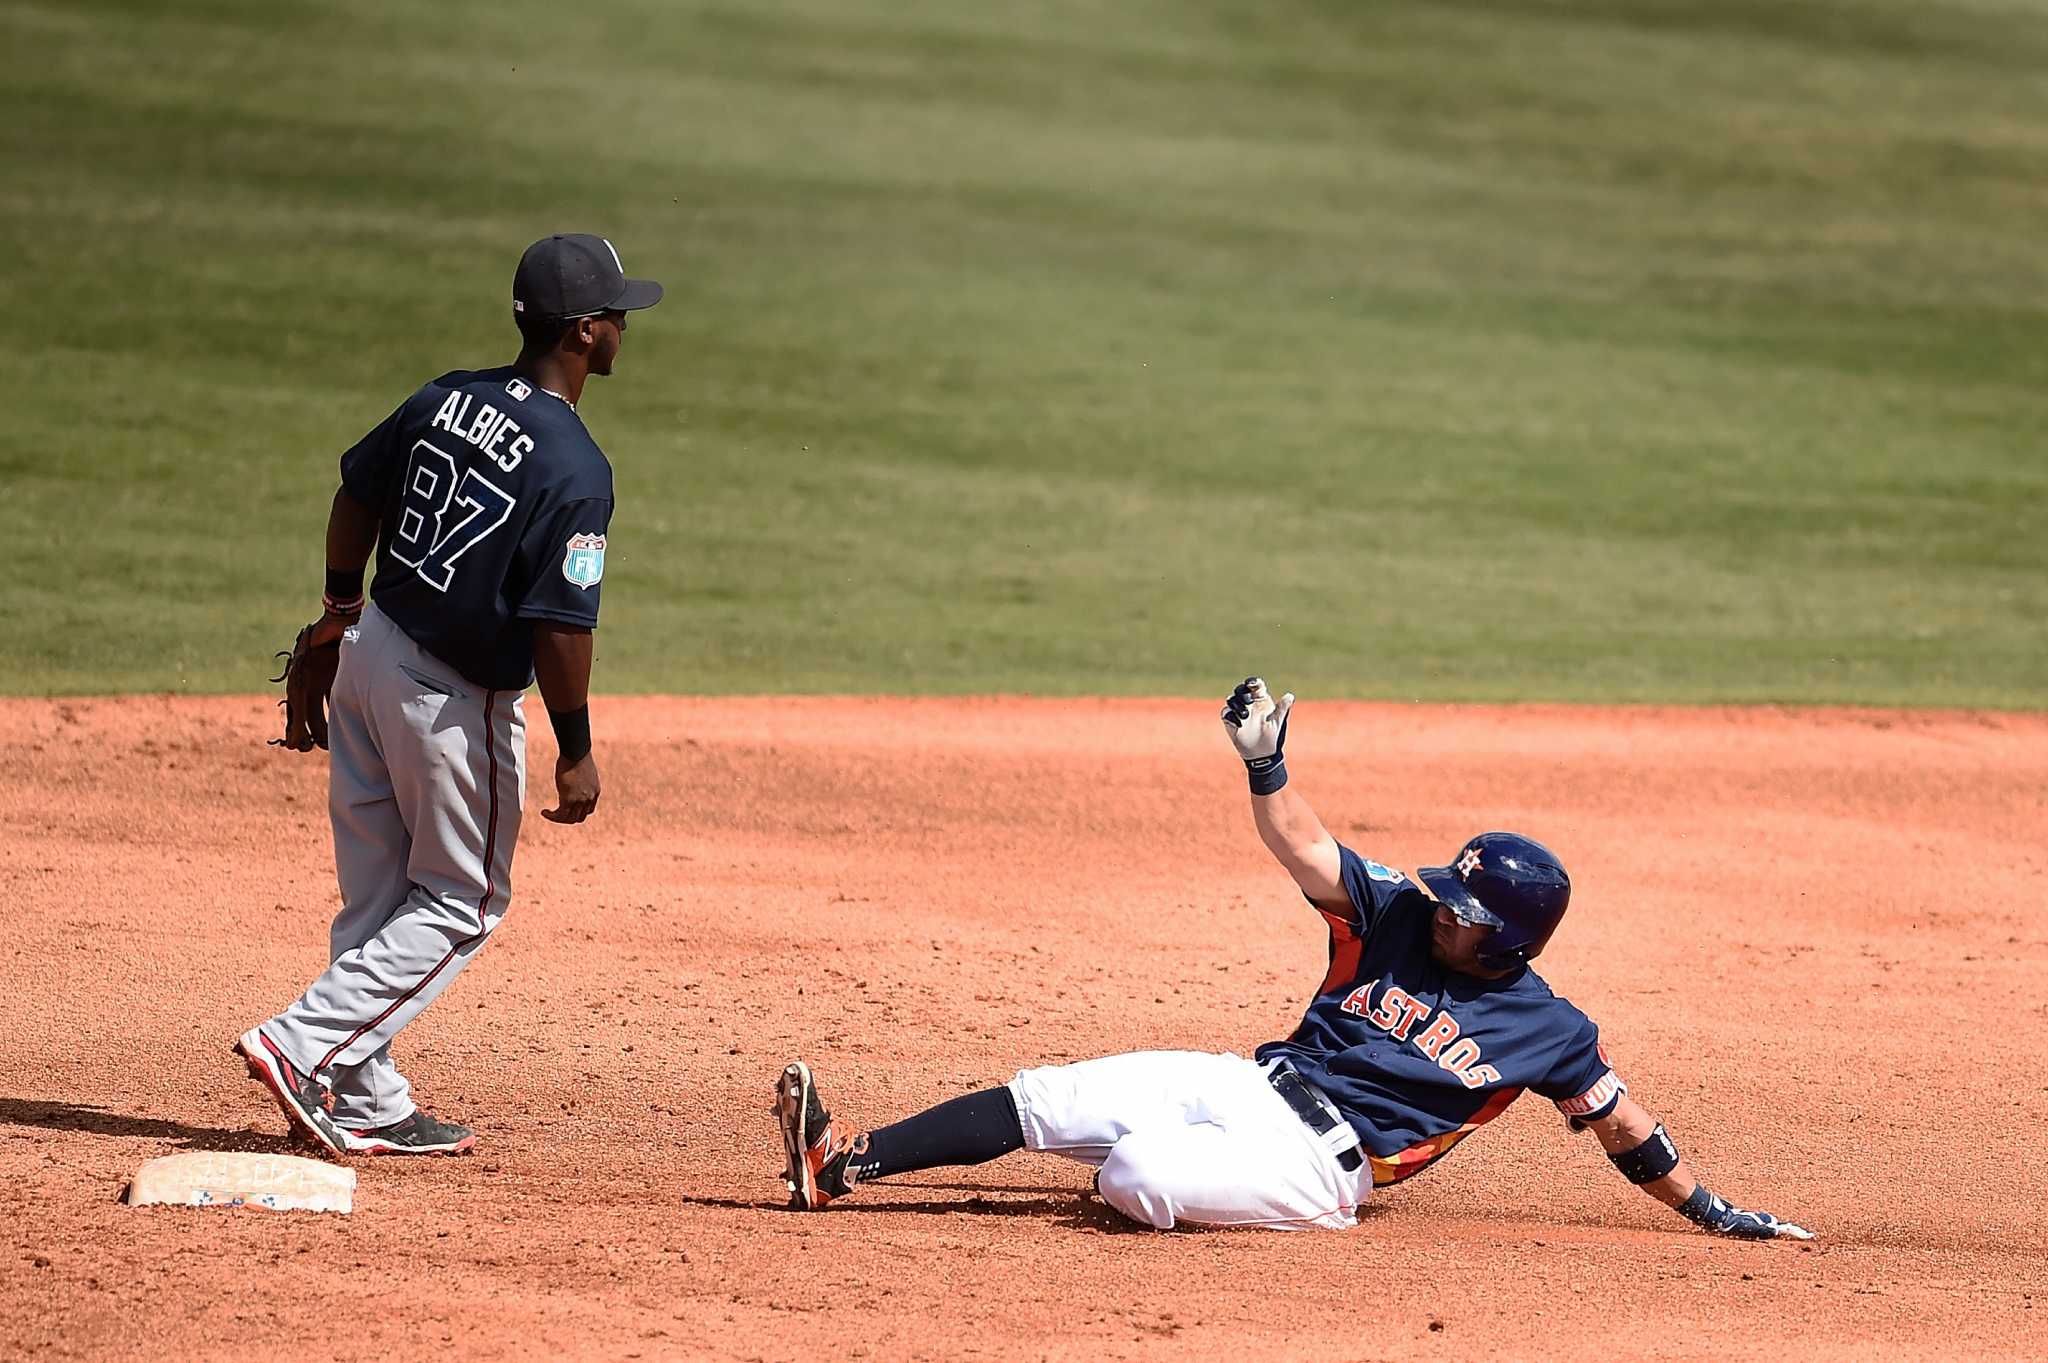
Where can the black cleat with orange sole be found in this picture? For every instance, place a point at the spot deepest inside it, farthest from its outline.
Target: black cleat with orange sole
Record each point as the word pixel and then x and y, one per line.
pixel 816 1148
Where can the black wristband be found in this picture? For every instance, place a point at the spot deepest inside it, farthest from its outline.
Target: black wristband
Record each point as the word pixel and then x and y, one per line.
pixel 1267 774
pixel 1649 1161
pixel 1705 1209
pixel 344 594
pixel 572 732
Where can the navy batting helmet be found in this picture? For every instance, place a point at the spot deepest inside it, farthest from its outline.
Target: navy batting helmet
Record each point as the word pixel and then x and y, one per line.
pixel 1512 883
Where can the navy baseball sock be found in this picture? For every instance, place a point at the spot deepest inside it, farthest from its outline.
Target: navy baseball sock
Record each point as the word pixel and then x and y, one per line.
pixel 972 1129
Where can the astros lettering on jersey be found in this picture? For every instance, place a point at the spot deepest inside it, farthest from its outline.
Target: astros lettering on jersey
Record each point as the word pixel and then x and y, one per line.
pixel 1418 1057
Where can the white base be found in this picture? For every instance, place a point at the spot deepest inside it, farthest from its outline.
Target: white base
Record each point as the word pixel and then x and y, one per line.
pixel 219 1178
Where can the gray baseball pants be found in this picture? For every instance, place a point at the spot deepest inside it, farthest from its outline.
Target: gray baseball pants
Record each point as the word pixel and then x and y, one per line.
pixel 426 783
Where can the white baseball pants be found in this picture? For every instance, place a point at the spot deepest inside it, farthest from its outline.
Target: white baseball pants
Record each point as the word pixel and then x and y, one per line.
pixel 426 784
pixel 1188 1136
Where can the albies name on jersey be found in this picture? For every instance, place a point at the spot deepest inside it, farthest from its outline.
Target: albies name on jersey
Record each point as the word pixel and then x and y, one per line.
pixel 490 430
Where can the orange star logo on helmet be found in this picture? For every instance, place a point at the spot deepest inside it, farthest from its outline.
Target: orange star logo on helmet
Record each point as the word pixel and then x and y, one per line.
pixel 1468 863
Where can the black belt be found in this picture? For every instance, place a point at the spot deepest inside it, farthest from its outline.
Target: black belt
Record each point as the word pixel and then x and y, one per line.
pixel 1313 1108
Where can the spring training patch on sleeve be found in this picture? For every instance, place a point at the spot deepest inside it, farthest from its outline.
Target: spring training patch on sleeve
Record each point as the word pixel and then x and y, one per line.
pixel 583 561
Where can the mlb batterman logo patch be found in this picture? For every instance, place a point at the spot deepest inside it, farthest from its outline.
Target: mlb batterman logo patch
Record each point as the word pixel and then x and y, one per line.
pixel 583 564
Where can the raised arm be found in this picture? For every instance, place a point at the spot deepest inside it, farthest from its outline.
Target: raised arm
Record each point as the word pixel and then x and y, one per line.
pixel 1639 1147
pixel 1257 725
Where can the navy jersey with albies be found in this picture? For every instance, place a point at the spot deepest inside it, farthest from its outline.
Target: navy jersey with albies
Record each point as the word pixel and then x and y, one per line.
pixel 495 503
pixel 1417 1056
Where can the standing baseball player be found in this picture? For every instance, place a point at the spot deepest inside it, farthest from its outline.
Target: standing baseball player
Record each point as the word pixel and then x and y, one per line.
pixel 1427 1024
pixel 488 504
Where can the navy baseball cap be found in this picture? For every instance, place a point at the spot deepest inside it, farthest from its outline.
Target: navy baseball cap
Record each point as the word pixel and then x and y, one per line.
pixel 575 274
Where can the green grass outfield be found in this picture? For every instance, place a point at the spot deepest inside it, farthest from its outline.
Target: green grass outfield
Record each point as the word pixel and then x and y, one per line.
pixel 1452 349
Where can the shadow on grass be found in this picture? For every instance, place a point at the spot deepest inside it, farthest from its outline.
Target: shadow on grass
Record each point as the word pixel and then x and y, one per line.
pixel 98 1121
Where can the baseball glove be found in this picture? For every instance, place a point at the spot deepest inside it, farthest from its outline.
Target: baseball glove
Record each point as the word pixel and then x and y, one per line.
pixel 308 676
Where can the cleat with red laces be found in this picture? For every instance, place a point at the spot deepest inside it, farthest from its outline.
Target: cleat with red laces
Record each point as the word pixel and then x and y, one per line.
pixel 303 1099
pixel 818 1149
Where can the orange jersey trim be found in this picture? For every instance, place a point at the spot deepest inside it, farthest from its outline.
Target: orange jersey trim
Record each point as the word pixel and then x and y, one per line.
pixel 1346 947
pixel 1408 1163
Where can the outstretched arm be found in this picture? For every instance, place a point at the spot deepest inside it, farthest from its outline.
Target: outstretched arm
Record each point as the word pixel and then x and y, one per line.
pixel 1647 1157
pixel 1257 725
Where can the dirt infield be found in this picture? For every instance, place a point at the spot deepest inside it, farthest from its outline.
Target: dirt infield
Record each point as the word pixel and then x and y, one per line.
pixel 1815 941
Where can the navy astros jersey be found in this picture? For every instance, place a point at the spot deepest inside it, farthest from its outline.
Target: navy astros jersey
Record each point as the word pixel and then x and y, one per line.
pixel 494 503
pixel 1419 1057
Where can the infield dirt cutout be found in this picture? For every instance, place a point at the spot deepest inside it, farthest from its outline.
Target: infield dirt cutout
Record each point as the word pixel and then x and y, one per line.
pixel 1814 941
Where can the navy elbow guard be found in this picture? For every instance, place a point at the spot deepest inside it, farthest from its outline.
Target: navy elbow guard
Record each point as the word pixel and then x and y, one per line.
pixel 1649 1161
